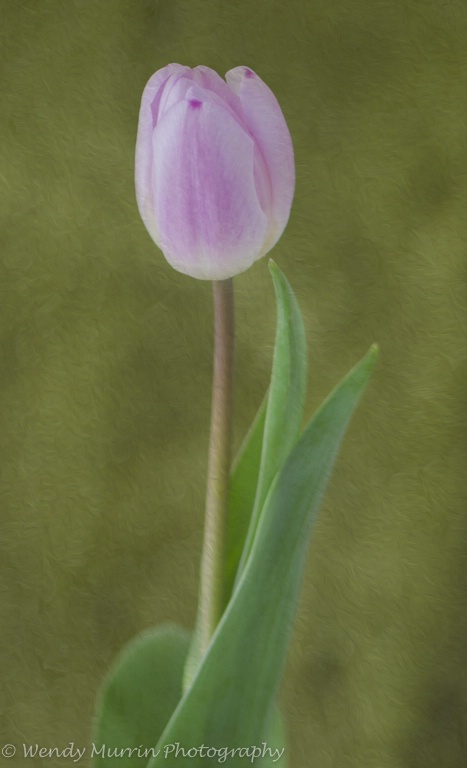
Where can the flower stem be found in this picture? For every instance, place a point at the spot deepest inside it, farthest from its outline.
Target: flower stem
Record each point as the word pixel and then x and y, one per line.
pixel 213 557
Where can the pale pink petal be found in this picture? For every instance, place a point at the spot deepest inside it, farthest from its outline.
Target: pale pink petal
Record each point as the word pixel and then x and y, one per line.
pixel 209 79
pixel 174 90
pixel 147 121
pixel 214 168
pixel 209 222
pixel 264 119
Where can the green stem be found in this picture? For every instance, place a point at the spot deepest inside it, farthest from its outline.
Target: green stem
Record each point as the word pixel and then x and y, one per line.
pixel 213 557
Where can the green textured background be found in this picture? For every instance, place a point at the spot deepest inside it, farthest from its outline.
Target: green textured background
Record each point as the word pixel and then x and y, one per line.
pixel 105 366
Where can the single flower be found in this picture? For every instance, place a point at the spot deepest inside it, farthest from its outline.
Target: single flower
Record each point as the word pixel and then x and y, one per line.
pixel 214 169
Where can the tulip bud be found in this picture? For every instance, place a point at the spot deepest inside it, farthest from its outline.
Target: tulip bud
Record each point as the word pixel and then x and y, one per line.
pixel 214 169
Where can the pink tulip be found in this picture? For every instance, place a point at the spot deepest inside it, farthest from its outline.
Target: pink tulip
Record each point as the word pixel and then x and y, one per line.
pixel 214 170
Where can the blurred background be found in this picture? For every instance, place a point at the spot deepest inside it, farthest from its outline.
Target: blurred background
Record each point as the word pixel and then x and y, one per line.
pixel 105 370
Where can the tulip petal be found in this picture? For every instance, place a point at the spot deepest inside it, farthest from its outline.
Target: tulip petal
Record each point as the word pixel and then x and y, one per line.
pixel 147 120
pixel 207 217
pixel 264 119
pixel 207 78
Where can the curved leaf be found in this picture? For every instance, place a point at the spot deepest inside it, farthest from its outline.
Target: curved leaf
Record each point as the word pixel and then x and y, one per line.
pixel 232 696
pixel 139 696
pixel 286 399
pixel 241 498
pixel 273 433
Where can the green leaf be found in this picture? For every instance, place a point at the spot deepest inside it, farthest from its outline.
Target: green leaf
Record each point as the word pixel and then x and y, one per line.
pixel 276 741
pixel 231 700
pixel 139 696
pixel 274 431
pixel 286 399
pixel 242 492
pixel 241 498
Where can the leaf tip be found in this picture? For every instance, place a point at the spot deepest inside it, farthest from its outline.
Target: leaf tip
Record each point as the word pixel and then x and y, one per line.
pixel 273 268
pixel 374 351
pixel 371 357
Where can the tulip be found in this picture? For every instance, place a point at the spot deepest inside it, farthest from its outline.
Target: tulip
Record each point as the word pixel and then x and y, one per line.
pixel 214 169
